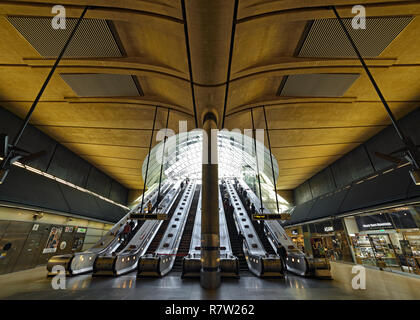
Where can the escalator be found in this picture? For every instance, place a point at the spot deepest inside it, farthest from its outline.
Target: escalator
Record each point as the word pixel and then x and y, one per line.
pixel 158 237
pixel 184 245
pixel 82 262
pixel 258 260
pixel 118 263
pixel 141 222
pixel 191 263
pixel 259 228
pixel 296 261
pixel 159 262
pixel 236 242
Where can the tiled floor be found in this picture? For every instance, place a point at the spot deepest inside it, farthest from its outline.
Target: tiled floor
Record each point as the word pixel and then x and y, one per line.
pixel 33 284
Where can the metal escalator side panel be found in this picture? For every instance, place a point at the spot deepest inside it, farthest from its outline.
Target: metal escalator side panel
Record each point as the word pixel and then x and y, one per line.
pixel 169 243
pixel 127 259
pixel 244 223
pixel 229 263
pixel 296 260
pixel 171 195
pixel 191 264
pixel 185 241
pixel 224 233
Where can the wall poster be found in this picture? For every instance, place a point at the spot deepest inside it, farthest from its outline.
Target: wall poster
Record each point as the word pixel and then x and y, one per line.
pixel 53 240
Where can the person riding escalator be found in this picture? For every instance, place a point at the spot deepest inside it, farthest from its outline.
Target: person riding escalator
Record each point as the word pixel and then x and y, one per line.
pixel 282 253
pixel 126 231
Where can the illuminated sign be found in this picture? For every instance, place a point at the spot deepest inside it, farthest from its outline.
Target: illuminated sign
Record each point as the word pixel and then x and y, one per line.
pixel 328 229
pixel 283 216
pixel 374 222
pixel 153 216
pixel 81 230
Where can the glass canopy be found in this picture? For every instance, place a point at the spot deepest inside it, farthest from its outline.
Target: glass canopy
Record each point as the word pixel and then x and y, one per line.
pixel 183 158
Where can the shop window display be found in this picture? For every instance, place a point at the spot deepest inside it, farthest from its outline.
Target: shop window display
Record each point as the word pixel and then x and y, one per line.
pixel 389 239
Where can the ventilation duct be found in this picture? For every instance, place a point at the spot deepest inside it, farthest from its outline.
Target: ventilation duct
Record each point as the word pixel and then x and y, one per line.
pixel 326 38
pixel 94 37
pixel 102 85
pixel 317 85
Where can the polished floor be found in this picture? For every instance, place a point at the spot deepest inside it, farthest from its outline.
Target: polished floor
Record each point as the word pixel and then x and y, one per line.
pixel 33 284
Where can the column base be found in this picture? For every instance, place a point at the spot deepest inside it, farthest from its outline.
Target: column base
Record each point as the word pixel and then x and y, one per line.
pixel 210 279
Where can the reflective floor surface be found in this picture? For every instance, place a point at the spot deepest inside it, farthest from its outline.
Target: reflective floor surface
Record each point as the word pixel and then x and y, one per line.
pixel 33 284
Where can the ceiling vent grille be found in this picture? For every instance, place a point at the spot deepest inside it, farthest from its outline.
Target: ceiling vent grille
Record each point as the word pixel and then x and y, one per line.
pixel 317 85
pixel 327 39
pixel 94 37
pixel 102 85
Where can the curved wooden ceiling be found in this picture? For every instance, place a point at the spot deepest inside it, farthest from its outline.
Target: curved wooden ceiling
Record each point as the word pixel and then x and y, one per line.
pixel 219 55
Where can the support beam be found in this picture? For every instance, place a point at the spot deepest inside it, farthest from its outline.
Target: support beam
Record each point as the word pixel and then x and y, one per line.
pixel 210 236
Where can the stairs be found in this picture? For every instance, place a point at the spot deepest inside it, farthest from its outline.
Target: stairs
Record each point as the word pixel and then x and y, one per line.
pixel 158 237
pixel 184 245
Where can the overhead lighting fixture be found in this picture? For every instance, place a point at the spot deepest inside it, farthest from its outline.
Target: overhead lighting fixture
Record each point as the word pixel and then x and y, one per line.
pixel 415 175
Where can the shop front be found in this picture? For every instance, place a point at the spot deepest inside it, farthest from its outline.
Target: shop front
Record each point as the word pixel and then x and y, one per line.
pixel 328 239
pixel 322 240
pixel 388 239
pixel 296 234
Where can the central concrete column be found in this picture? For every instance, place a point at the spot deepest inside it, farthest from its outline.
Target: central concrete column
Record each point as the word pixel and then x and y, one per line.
pixel 210 236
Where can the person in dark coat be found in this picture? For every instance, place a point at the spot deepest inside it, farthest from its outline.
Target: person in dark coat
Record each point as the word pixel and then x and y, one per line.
pixel 252 208
pixel 282 252
pixel 241 237
pixel 126 231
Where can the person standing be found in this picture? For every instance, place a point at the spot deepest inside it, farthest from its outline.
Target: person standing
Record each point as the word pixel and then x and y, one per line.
pixel 282 252
pixel 126 231
pixel 149 207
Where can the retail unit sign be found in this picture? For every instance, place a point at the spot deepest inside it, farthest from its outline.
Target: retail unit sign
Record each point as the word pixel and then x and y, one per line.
pixel 268 216
pixel 374 222
pixel 328 229
pixel 141 216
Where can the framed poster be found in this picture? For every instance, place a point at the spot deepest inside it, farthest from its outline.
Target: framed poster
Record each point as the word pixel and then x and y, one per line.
pixel 53 239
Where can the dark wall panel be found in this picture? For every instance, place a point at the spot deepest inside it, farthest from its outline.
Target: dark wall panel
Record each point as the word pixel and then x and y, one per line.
pixel 300 212
pixel 60 161
pixel 385 141
pixel 80 203
pixel 303 193
pixel 322 182
pixel 385 188
pixel 410 125
pixel 98 182
pixel 118 193
pixel 25 187
pixel 31 189
pixel 327 206
pixel 413 190
pixel 352 166
pixel 32 139
pixel 68 166
pixel 110 212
